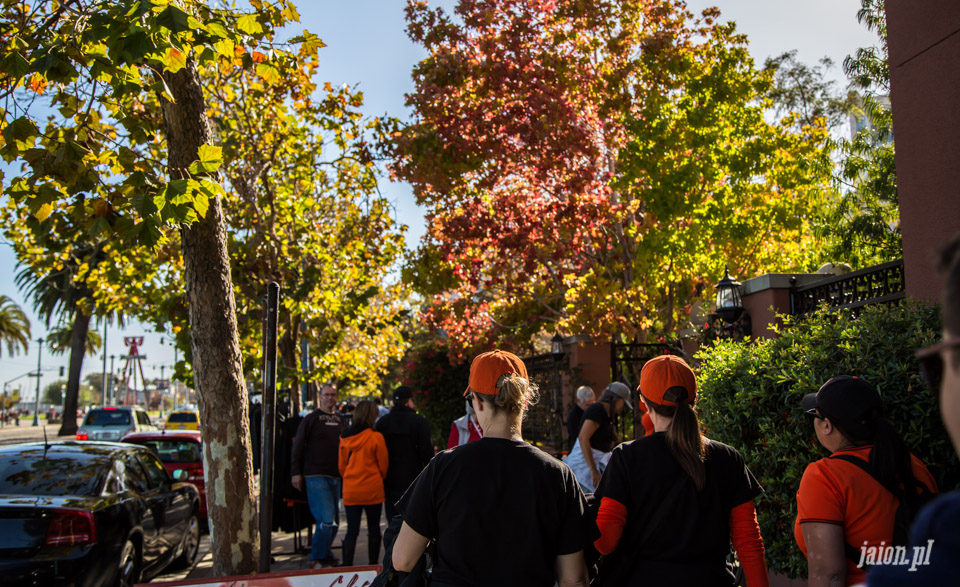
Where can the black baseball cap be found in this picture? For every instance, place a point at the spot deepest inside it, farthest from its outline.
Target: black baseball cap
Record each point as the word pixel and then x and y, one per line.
pixel 845 400
pixel 402 393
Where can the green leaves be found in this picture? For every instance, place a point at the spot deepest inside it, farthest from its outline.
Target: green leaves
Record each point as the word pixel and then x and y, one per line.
pixel 174 19
pixel 248 24
pixel 210 158
pixel 20 135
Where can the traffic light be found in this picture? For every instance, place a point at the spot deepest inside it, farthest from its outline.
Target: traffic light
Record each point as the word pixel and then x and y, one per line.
pixel 61 371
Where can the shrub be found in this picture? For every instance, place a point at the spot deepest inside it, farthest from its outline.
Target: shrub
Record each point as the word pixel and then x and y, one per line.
pixel 750 399
pixel 437 387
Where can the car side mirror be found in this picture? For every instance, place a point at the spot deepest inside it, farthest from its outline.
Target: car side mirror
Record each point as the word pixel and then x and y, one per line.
pixel 180 475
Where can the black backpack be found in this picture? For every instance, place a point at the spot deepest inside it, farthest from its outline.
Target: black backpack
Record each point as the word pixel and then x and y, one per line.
pixel 907 507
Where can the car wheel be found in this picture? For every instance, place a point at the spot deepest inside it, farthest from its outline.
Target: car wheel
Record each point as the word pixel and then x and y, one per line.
pixel 128 573
pixel 190 545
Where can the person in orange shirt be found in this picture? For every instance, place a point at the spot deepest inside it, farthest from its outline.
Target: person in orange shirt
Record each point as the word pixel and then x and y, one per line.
pixel 363 466
pixel 846 503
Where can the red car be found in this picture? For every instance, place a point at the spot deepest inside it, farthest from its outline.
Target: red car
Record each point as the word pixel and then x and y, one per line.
pixel 177 449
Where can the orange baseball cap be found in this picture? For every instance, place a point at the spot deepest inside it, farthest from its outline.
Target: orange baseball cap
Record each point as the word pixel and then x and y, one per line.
pixel 487 368
pixel 666 380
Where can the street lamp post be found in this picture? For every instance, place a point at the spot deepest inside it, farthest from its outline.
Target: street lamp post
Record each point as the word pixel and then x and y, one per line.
pixel 36 401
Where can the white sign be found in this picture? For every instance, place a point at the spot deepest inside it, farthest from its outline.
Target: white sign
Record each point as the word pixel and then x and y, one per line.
pixel 332 577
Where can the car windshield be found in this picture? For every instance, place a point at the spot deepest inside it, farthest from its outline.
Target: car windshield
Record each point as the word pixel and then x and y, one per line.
pixel 108 418
pixel 182 417
pixel 172 450
pixel 33 471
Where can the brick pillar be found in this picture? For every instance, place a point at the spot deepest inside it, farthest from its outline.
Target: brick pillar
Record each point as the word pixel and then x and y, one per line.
pixel 924 46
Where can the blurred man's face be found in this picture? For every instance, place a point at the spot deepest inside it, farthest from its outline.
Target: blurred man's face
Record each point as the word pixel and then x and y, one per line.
pixel 328 398
pixel 950 391
pixel 588 402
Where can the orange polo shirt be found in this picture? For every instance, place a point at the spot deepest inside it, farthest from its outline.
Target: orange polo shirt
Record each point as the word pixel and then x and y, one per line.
pixel 836 492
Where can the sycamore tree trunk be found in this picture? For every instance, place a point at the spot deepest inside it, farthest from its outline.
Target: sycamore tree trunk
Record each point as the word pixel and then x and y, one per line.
pixel 78 344
pixel 217 367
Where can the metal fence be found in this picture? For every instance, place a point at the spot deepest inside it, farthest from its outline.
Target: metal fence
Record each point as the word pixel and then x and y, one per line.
pixel 543 425
pixel 880 284
pixel 626 362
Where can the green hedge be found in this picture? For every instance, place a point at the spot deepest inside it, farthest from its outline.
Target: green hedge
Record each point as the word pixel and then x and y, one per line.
pixel 437 387
pixel 750 399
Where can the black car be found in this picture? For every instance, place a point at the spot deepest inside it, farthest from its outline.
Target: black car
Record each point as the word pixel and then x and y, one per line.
pixel 87 514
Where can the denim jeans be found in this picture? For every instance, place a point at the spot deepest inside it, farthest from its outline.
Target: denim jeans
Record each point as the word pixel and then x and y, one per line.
pixel 323 495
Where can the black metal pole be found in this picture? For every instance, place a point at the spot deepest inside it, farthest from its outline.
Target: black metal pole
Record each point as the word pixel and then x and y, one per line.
pixel 268 424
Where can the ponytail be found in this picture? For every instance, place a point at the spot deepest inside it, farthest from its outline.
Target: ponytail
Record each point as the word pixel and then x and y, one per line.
pixel 890 457
pixel 684 440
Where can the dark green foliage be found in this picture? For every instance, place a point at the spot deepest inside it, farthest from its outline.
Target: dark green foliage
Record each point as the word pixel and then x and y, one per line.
pixel 437 387
pixel 750 398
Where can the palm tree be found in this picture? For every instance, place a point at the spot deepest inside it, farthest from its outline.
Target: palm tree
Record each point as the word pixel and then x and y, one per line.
pixel 57 293
pixel 14 327
pixel 59 340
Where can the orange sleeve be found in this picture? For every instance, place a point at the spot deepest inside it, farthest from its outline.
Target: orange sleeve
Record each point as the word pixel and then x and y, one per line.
pixel 819 499
pixel 342 460
pixel 611 518
pixel 745 535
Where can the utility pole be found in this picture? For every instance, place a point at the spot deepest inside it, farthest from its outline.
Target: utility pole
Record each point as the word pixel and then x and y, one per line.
pixel 162 367
pixel 103 380
pixel 36 401
pixel 112 399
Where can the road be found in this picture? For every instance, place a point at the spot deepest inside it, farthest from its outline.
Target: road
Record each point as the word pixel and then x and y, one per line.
pixel 27 432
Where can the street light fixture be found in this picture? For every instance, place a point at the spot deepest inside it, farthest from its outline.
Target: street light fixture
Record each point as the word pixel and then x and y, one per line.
pixel 730 306
pixel 556 344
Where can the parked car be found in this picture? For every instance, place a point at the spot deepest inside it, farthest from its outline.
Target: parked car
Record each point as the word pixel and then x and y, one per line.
pixel 182 420
pixel 113 423
pixel 91 514
pixel 177 450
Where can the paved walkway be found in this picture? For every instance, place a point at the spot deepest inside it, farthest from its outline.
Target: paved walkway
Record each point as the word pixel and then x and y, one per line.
pixel 284 556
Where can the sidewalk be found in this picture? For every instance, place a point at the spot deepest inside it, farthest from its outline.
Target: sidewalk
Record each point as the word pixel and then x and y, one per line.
pixel 26 432
pixel 284 557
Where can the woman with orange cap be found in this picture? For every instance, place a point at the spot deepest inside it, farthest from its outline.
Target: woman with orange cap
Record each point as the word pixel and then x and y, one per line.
pixel 686 497
pixel 501 511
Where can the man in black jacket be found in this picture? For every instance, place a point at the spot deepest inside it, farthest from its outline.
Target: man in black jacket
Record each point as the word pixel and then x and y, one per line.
pixel 408 446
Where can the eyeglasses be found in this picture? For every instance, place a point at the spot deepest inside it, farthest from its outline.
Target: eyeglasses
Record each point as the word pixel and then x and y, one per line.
pixel 328 395
pixel 815 414
pixel 931 363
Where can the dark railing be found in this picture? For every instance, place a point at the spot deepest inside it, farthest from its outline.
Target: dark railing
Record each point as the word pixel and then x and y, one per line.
pixel 626 362
pixel 880 284
pixel 543 424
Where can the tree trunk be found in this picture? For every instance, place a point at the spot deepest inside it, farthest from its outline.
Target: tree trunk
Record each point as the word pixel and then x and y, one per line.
pixel 217 368
pixel 78 343
pixel 290 356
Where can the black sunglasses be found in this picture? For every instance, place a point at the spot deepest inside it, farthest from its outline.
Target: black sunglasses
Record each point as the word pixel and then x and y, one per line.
pixel 931 363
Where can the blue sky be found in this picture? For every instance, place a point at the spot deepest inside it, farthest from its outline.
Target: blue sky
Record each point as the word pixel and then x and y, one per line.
pixel 367 46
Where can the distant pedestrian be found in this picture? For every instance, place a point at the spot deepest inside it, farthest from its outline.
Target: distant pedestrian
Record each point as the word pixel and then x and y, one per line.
pixel 583 399
pixel 464 429
pixel 671 503
pixel 314 466
pixel 598 435
pixel 381 411
pixel 502 512
pixel 363 465
pixel 409 448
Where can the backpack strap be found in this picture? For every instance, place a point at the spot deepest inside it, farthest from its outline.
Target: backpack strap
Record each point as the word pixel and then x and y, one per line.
pixel 851 552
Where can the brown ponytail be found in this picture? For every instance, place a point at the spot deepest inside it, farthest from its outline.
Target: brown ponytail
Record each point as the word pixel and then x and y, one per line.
pixel 684 440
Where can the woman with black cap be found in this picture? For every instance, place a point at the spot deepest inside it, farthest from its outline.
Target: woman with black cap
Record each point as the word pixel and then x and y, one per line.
pixel 847 503
pixel 501 511
pixel 673 501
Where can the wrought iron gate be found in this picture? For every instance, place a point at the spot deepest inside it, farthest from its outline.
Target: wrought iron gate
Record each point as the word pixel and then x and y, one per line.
pixel 626 361
pixel 543 425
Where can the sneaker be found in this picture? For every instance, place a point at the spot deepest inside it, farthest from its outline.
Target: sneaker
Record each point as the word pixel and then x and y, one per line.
pixel 314 564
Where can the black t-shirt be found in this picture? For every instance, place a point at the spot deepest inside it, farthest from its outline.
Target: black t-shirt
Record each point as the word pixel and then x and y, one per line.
pixel 501 511
pixel 573 423
pixel 689 544
pixel 603 438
